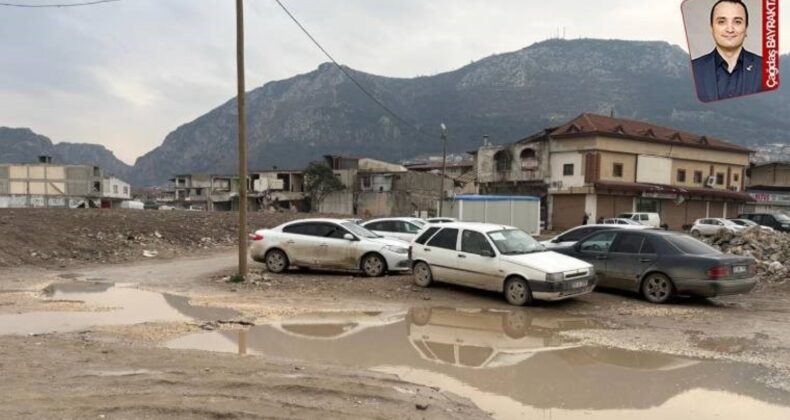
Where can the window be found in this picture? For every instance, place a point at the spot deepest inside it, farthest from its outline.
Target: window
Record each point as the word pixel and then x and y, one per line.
pixel 698 177
pixel 567 169
pixel 579 233
pixel 126 190
pixel 475 243
pixel 681 175
pixel 425 235
pixel 736 178
pixel 301 229
pixel 691 246
pixel 647 247
pixel 617 170
pixel 115 189
pixel 334 231
pixel 407 227
pixel 628 243
pixel 599 242
pixel 719 178
pixel 446 238
pixel 502 160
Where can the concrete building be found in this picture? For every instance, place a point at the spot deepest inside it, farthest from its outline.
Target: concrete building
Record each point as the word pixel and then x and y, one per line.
pixel 463 174
pixel 45 184
pixel 603 166
pixel 278 188
pixel 205 192
pixel 769 185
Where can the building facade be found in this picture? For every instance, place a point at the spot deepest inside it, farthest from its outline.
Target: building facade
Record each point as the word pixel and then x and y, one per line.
pixel 769 185
pixel 45 184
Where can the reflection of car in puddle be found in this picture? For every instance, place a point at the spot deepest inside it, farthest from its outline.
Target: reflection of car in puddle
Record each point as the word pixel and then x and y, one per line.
pixel 485 338
pixel 334 325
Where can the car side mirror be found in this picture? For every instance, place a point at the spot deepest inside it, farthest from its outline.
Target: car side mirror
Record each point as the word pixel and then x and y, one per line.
pixel 348 237
pixel 487 253
pixel 555 240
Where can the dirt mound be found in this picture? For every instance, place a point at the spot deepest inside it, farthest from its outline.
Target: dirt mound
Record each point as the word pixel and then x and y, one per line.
pixel 64 237
pixel 771 249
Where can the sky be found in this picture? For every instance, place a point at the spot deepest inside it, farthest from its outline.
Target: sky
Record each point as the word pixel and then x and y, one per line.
pixel 125 74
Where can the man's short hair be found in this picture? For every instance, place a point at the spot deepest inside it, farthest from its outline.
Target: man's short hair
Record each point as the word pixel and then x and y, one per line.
pixel 745 9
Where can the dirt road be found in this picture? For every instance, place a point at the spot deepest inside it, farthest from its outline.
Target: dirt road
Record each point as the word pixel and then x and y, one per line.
pixel 341 345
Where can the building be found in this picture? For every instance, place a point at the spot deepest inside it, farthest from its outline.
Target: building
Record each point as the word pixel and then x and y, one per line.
pixel 603 166
pixel 45 184
pixel 461 173
pixel 205 192
pixel 114 191
pixel 278 188
pixel 769 185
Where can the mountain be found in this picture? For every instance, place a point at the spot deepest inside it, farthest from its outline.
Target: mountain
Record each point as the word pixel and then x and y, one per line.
pixel 507 96
pixel 22 145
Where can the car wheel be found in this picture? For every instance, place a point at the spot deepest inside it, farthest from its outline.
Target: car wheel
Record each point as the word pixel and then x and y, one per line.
pixel 420 316
pixel 695 233
pixel 517 291
pixel 276 261
pixel 657 288
pixel 373 265
pixel 515 324
pixel 422 274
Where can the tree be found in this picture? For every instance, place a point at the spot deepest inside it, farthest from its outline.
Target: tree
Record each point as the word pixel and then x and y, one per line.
pixel 320 181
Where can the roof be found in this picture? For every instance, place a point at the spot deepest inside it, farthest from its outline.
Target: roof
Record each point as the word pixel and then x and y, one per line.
pixel 593 124
pixel 484 227
pixel 671 189
pixel 427 166
pixel 467 177
pixel 473 197
pixel 774 163
pixel 403 219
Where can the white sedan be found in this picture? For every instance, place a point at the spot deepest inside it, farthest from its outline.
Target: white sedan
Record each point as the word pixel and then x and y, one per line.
pixel 328 243
pixel 573 235
pixel 403 228
pixel 498 258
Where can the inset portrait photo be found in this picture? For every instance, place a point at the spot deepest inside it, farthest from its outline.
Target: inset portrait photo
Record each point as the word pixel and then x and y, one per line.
pixel 734 46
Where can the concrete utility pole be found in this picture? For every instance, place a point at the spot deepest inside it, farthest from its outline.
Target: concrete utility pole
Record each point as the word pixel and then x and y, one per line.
pixel 242 140
pixel 444 166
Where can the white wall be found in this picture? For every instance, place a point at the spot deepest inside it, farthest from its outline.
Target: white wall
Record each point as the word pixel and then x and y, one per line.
pixel 654 169
pixel 558 161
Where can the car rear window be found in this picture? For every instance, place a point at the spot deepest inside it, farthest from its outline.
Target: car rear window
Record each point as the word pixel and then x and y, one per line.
pixel 689 245
pixel 425 235
pixel 446 238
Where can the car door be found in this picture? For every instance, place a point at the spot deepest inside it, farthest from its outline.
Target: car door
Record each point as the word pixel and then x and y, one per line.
pixel 476 261
pixel 441 253
pixel 301 243
pixel 595 250
pixel 334 251
pixel 623 266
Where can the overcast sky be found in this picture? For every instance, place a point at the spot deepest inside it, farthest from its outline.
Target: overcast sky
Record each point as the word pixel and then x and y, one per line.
pixel 125 74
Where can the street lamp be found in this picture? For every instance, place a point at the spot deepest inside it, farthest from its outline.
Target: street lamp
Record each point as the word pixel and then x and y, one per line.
pixel 444 166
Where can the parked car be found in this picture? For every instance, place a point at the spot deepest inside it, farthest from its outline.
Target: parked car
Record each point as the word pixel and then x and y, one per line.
pixel 649 219
pixel 572 235
pixel 330 244
pixel 620 221
pixel 778 222
pixel 661 264
pixel 749 223
pixel 714 226
pixel 403 228
pixel 498 258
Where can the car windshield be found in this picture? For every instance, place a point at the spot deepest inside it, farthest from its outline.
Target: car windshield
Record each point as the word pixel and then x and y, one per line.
pixel 514 241
pixel 358 230
pixel 419 222
pixel 689 245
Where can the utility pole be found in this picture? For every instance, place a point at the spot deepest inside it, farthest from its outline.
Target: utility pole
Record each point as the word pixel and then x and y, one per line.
pixel 444 167
pixel 242 140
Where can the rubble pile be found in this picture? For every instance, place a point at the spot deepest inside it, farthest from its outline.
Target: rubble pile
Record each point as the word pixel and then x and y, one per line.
pixel 64 237
pixel 771 249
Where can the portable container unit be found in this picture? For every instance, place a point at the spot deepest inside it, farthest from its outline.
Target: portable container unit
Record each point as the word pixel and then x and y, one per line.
pixel 522 211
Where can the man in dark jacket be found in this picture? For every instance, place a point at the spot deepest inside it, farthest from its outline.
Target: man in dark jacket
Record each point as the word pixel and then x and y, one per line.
pixel 729 70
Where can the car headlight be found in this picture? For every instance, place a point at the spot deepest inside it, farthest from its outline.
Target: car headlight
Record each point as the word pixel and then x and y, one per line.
pixel 397 249
pixel 555 277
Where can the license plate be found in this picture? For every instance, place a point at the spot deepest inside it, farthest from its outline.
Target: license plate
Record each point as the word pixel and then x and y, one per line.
pixel 578 284
pixel 738 269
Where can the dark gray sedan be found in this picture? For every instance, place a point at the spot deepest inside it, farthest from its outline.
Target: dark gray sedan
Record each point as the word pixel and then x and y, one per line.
pixel 661 264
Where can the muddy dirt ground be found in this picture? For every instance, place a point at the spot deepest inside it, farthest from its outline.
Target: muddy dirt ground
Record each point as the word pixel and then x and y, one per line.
pixel 174 338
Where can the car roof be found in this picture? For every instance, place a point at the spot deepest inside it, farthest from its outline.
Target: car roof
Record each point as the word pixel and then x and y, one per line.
pixel 384 219
pixel 315 220
pixel 483 227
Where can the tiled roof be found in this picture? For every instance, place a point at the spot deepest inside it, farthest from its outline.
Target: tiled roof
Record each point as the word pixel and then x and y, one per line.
pixel 468 176
pixel 591 124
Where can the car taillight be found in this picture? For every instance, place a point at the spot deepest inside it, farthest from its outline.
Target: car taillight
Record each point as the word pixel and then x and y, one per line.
pixel 718 272
pixel 256 237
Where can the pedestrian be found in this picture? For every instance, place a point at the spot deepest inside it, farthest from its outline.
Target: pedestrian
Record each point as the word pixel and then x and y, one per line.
pixel 600 220
pixel 585 218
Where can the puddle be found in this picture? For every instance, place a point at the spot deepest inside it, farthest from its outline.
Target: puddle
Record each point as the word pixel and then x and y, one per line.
pixel 514 364
pixel 117 304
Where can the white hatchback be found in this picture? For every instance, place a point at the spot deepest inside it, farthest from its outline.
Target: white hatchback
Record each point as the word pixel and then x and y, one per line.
pixel 328 243
pixel 498 258
pixel 714 226
pixel 403 228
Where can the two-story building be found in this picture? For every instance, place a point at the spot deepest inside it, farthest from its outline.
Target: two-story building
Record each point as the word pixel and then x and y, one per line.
pixel 602 166
pixel 769 184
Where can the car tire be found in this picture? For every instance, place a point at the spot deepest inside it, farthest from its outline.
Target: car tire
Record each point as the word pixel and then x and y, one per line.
pixel 276 261
pixel 695 233
pixel 657 288
pixel 373 265
pixel 515 324
pixel 423 276
pixel 517 291
pixel 420 316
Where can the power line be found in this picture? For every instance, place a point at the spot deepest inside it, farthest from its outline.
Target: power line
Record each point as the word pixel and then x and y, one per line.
pixel 87 3
pixel 368 94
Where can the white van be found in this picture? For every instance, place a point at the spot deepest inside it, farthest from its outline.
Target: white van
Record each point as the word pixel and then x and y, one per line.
pixel 649 219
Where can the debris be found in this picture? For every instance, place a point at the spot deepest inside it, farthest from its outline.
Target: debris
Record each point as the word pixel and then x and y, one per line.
pixel 150 254
pixel 421 406
pixel 771 250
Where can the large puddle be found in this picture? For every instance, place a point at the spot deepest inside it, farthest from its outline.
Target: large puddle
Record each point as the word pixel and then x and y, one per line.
pixel 513 364
pixel 112 304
